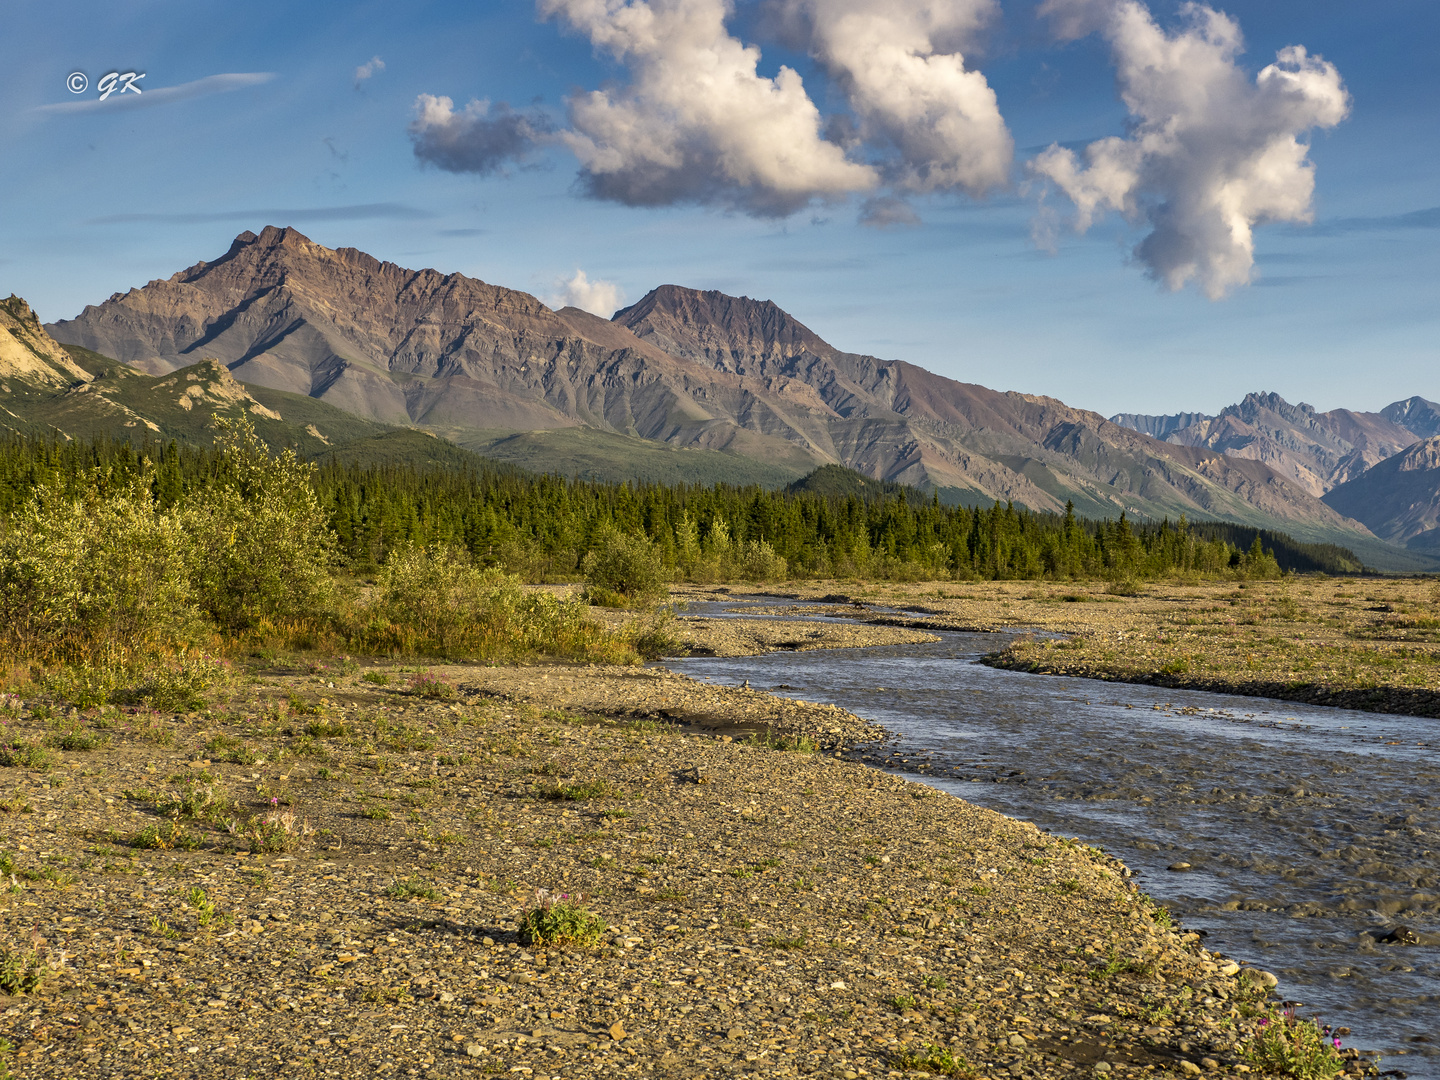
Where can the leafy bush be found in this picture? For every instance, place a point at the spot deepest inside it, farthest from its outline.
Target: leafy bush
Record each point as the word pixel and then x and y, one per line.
pixel 1292 1047
pixel 267 548
pixel 557 922
pixel 436 602
pixel 22 971
pixel 404 889
pixel 933 1059
pixel 627 566
pixel 430 687
pixel 97 575
pixel 19 754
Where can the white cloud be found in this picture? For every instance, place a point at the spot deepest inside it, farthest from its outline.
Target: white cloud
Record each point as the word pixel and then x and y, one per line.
pixel 901 67
pixel 598 297
pixel 1212 153
pixel 697 123
pixel 475 139
pixel 367 69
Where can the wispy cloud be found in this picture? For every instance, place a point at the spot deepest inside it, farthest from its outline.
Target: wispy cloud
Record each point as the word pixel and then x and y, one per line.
pixel 164 95
pixel 1415 219
pixel 396 211
pixel 368 69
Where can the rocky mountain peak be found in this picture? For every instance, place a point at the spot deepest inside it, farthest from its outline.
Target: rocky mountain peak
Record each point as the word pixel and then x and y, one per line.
pixel 730 332
pixel 1424 455
pixel 28 352
pixel 1416 415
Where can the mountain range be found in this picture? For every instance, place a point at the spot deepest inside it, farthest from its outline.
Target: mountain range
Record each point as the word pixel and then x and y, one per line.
pixel 1378 468
pixel 684 384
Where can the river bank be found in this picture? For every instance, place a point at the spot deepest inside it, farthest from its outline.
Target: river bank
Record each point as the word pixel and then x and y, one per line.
pixel 1356 643
pixel 322 873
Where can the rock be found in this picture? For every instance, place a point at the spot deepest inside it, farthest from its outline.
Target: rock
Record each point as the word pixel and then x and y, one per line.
pixel 617 1031
pixel 1209 1064
pixel 474 1049
pixel 1229 968
pixel 1102 1066
pixel 735 1033
pixel 1260 980
pixel 1018 1041
pixel 1178 866
pixel 1189 1068
pixel 1401 935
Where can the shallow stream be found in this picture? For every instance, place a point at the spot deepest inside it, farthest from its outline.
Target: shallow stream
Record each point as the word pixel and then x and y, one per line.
pixel 1310 833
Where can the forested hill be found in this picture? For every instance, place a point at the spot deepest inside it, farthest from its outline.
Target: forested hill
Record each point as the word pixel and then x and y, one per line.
pixel 543 526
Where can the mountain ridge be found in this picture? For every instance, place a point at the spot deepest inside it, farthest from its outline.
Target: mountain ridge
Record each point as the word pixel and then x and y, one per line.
pixel 681 367
pixel 1319 450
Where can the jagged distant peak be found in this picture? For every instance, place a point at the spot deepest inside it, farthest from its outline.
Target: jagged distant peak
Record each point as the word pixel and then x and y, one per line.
pixel 1159 427
pixel 751 325
pixel 1267 400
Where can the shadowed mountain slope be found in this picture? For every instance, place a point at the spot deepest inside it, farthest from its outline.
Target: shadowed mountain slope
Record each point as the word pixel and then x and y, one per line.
pixel 1317 450
pixel 1398 499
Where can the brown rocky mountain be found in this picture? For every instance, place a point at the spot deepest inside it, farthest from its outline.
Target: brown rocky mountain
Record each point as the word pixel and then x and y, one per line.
pixel 1317 450
pixel 27 352
pixel 682 367
pixel 1398 499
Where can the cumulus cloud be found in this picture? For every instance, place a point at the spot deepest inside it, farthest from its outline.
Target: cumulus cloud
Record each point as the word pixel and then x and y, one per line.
pixel 367 69
pixel 901 67
pixel 1212 152
pixel 697 122
pixel 477 138
pixel 598 297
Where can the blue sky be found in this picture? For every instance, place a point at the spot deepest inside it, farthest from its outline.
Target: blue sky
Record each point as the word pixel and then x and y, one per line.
pixel 1341 312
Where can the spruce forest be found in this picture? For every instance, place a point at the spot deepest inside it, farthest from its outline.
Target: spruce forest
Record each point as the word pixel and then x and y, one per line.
pixel 832 524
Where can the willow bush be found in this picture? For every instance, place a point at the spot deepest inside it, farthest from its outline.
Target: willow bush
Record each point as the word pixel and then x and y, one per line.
pixel 125 590
pixel 436 602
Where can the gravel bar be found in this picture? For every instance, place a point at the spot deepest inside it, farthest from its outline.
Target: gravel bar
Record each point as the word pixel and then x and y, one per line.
pixel 770 912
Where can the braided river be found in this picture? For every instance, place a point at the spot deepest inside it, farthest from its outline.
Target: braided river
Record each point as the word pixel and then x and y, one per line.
pixel 1304 840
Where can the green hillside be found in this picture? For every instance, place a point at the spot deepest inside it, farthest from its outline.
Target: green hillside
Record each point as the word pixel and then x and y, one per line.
pixel 607 457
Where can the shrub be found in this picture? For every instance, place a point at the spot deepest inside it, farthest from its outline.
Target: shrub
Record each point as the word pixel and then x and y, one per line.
pixel 414 886
pixel 430 687
pixel 558 922
pixel 933 1059
pixel 625 565
pixel 19 754
pixel 1292 1047
pixel 98 575
pixel 22 971
pixel 266 549
pixel 435 602
pixel 179 684
pixel 275 832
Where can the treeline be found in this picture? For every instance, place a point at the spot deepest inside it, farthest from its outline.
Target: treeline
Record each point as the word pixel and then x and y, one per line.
pixel 543 527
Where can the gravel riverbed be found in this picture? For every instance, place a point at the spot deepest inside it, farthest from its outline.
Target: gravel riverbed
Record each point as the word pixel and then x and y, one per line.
pixel 770 912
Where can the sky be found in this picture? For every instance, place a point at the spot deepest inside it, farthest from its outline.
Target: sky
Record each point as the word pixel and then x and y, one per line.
pixel 1132 207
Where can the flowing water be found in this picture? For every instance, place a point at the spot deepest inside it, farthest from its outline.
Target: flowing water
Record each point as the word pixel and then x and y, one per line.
pixel 1310 833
